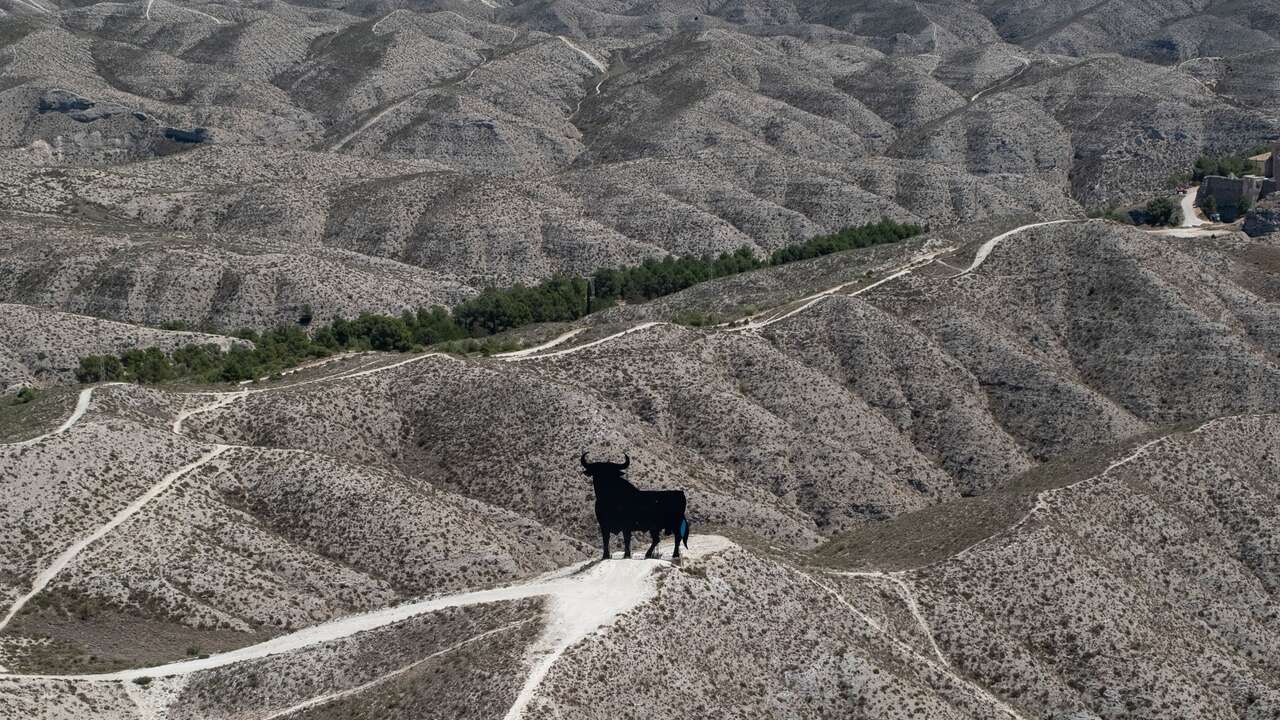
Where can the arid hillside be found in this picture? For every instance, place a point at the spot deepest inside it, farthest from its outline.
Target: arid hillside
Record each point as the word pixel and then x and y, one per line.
pixel 954 441
pixel 253 160
pixel 892 484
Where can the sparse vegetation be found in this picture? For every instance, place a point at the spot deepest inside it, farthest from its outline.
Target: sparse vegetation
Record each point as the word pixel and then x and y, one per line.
pixel 1113 214
pixel 469 327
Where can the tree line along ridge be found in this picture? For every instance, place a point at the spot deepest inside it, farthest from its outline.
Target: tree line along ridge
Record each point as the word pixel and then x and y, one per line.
pixel 471 325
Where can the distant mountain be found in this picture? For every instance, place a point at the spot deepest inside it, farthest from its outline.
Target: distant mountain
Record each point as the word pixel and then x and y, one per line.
pixel 1021 465
pixel 489 144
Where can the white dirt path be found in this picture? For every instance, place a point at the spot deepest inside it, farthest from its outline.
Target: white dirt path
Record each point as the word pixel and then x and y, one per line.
pixel 977 691
pixel 516 354
pixel 1026 65
pixel 1191 216
pixel 584 346
pixel 580 604
pixel 901 578
pixel 984 251
pixel 60 562
pixel 82 404
pixel 226 398
pixel 67 556
pixel 596 62
pixel 905 591
pixel 373 121
pixel 147 12
pixel 341 143
pixel 583 598
pixel 306 366
pixel 766 318
pixel 31 4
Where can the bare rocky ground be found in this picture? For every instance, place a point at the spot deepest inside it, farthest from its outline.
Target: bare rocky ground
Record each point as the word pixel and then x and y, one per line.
pixel 45 346
pixel 227 164
pixel 915 473
pixel 1044 488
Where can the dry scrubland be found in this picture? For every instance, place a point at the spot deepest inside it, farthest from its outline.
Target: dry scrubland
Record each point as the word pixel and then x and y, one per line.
pixel 1045 489
pixel 192 162
pixel 920 391
pixel 45 347
pixel 373 481
pixel 1147 592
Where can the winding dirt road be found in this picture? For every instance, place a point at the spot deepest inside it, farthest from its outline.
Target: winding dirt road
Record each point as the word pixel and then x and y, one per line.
pixel 901 579
pixel 44 577
pixel 1026 65
pixel 65 558
pixel 582 598
pixel 1190 215
pixel 82 404
pixel 599 65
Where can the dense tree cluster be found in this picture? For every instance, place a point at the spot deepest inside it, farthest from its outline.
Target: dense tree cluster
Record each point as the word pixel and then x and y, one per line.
pixel 559 299
pixel 656 278
pixel 467 328
pixel 1162 211
pixel 885 231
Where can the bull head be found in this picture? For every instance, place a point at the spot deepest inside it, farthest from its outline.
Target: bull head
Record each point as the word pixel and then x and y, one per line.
pixel 586 466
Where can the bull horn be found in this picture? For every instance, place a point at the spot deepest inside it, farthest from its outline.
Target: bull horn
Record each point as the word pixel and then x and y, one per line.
pixel 583 459
pixel 626 461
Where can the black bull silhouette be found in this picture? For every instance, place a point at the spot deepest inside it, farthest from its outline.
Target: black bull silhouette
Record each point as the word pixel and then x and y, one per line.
pixel 623 508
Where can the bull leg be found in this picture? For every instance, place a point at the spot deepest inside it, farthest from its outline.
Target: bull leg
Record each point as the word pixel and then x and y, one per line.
pixel 626 543
pixel 676 534
pixel 604 535
pixel 652 552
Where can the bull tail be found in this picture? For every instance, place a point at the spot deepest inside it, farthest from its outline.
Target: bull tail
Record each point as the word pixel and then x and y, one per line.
pixel 684 532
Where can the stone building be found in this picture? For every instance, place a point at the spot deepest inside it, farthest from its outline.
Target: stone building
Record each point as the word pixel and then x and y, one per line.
pixel 1232 194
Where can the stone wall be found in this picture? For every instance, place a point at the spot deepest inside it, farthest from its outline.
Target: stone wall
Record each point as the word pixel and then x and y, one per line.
pixel 1228 192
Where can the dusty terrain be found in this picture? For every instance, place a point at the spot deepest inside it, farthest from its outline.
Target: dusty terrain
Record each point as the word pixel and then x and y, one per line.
pixel 1020 466
pixel 232 164
pixel 39 347
pixel 911 472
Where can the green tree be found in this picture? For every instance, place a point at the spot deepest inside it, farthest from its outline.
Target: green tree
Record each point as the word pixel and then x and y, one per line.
pixel 147 366
pixel 1161 211
pixel 100 368
pixel 382 332
pixel 559 299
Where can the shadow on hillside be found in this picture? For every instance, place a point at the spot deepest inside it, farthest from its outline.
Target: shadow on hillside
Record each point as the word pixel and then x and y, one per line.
pixel 937 532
